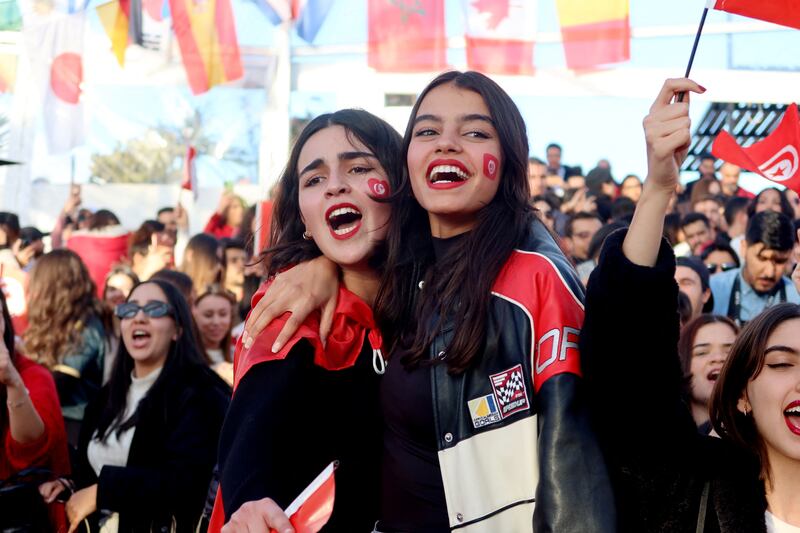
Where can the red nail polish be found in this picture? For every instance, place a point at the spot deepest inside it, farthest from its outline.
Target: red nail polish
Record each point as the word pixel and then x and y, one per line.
pixel 703 89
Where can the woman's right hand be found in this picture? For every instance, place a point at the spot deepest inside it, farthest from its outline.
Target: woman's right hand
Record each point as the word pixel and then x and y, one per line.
pixel 50 490
pixel 300 290
pixel 9 376
pixel 261 516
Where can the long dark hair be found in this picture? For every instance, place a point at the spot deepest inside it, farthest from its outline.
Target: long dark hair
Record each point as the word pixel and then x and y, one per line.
pixel 8 340
pixel 745 362
pixel 286 234
pixel 459 285
pixel 184 354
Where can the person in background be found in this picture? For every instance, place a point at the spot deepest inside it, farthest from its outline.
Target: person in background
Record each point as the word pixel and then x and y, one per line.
pixel 148 443
pixel 554 166
pixel 697 233
pixel 180 281
pixel 771 199
pixel 719 257
pixel 600 182
pixel 202 261
pixel 228 217
pixel 742 293
pixel 574 178
pixel 631 187
pixel 9 235
pixel 692 278
pixel 703 346
pixel 709 205
pixel 794 201
pixel 31 426
pixel 735 214
pixel 234 260
pixel 120 281
pixel 169 218
pixel 69 331
pixel 29 247
pixel 546 210
pixel 580 229
pixel 104 242
pixel 729 179
pixel 537 175
pixel 147 253
pixel 213 313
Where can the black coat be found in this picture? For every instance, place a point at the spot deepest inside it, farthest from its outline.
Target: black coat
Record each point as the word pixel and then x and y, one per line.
pixel 659 464
pixel 171 456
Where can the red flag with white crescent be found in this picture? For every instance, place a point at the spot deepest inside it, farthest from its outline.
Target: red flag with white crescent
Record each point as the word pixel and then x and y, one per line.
pixel 774 157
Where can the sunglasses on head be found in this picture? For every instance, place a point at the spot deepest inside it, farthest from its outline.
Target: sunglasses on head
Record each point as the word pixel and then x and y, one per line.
pixel 722 267
pixel 151 309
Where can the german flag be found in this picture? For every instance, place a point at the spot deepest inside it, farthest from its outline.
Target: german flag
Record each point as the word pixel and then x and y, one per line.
pixel 115 18
pixel 207 38
pixel 594 33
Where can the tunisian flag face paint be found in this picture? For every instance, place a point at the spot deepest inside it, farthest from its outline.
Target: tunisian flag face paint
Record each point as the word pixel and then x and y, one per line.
pixel 379 188
pixel 491 166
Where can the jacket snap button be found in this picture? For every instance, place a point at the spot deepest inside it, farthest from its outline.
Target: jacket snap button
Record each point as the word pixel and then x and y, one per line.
pixel 448 437
pixel 421 285
pixel 441 355
pixel 460 517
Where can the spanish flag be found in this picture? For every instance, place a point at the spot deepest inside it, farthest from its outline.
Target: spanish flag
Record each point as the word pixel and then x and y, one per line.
pixel 594 33
pixel 207 38
pixel 115 18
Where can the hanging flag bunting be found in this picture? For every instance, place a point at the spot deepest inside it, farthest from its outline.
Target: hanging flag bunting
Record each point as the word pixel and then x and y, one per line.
pixel 594 33
pixel 115 19
pixel 774 157
pixel 276 11
pixel 499 35
pixel 309 16
pixel 783 12
pixel 207 38
pixel 10 16
pixel 406 35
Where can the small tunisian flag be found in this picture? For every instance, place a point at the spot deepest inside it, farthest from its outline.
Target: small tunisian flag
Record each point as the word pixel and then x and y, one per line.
pixel 406 36
pixel 594 33
pixel 783 12
pixel 189 182
pixel 775 157
pixel 500 35
pixel 207 38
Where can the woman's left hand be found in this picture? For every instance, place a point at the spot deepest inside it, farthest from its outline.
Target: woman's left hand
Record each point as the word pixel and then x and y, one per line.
pixel 80 505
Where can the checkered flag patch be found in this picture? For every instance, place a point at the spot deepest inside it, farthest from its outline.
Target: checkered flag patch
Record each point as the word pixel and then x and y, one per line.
pixel 511 387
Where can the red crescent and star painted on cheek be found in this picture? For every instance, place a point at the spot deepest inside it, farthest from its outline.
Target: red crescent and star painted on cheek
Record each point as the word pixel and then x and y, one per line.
pixel 378 188
pixel 490 166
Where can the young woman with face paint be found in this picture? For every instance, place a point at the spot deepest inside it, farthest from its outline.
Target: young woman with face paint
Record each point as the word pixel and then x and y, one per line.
pixel 667 476
pixel 484 427
pixel 295 411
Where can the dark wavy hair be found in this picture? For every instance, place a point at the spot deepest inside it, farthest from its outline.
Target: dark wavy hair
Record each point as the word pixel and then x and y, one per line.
pixel 184 356
pixel 745 362
pixel 786 206
pixel 8 340
pixel 457 286
pixel 287 246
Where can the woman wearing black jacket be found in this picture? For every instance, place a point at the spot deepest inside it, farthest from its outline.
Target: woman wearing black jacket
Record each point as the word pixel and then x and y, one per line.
pixel 667 477
pixel 148 443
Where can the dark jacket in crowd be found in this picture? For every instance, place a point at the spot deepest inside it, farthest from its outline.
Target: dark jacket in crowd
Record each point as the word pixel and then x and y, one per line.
pixel 171 456
pixel 660 465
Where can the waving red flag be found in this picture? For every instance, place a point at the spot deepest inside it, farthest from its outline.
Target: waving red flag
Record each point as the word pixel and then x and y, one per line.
pixel 499 35
pixel 406 36
pixel 783 12
pixel 775 157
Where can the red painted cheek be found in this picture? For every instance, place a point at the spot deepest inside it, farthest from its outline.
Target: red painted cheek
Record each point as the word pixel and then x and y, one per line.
pixel 490 166
pixel 379 188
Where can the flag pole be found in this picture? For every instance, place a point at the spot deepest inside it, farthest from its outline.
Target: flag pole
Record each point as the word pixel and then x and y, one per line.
pixel 694 49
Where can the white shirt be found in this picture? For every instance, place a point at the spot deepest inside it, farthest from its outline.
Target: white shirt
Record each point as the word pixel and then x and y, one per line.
pixel 114 451
pixel 776 525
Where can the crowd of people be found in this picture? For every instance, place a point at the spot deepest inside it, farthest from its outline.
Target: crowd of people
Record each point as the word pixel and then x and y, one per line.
pixel 479 339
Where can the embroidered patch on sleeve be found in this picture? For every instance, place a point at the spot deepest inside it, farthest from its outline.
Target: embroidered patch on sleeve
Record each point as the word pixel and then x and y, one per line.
pixel 484 411
pixel 509 388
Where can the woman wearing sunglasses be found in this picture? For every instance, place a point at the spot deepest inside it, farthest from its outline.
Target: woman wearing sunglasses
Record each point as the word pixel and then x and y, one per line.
pixel 148 442
pixel 719 257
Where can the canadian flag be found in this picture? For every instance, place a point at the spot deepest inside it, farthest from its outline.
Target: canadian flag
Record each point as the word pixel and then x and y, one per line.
pixel 775 157
pixel 54 44
pixel 499 35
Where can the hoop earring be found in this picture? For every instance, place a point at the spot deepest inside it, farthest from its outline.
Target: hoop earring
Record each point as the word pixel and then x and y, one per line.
pixel 307 235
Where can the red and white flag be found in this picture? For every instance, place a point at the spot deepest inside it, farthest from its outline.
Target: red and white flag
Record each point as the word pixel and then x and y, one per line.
pixel 313 507
pixel 406 35
pixel 189 182
pixel 263 226
pixel 783 12
pixel 54 44
pixel 775 157
pixel 499 35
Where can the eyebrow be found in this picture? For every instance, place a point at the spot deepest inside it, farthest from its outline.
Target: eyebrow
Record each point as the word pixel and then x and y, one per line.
pixel 344 156
pixel 781 348
pixel 463 118
pixel 707 344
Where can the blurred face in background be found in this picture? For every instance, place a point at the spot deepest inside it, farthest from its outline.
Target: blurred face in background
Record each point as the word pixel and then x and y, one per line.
pixel 768 200
pixel 118 287
pixel 546 214
pixel 214 317
pixel 729 178
pixel 631 188
pixel 537 175
pixel 710 348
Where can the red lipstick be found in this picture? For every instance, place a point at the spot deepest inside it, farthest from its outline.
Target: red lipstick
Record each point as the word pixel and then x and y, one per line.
pixel 448 185
pixel 792 421
pixel 351 231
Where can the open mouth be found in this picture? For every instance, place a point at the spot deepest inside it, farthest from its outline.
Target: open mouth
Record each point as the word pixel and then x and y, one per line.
pixel 447 174
pixel 140 338
pixel 792 416
pixel 713 375
pixel 344 220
